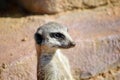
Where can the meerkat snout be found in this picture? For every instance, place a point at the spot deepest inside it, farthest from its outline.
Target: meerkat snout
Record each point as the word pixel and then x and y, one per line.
pixel 72 44
pixel 54 35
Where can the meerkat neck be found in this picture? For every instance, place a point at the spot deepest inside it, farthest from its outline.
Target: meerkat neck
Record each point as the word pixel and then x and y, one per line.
pixel 47 50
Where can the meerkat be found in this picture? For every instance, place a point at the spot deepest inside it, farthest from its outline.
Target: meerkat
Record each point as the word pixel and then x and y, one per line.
pixel 52 64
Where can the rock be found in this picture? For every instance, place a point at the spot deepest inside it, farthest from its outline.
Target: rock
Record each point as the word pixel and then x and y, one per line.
pixel 117 77
pixel 97 35
pixel 41 6
pixel 94 3
pixel 97 38
pixel 24 39
pixel 18 58
pixel 55 6
pixel 20 70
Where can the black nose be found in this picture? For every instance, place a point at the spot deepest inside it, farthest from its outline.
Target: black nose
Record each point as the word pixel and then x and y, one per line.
pixel 72 44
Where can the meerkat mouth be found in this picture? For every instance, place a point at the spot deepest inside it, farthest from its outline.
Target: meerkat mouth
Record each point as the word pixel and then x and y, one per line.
pixel 64 47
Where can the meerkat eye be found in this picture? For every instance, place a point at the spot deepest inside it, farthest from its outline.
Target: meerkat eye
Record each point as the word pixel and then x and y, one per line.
pixel 57 35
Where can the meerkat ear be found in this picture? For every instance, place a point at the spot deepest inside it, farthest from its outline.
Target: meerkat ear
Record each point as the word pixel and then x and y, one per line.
pixel 38 37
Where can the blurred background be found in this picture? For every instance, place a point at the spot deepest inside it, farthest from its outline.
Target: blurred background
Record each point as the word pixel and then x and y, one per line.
pixel 93 24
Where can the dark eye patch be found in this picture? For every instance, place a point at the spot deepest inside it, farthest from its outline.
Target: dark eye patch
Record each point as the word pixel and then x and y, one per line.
pixel 57 35
pixel 38 38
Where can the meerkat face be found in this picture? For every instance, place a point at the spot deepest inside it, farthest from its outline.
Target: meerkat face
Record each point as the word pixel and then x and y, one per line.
pixel 54 35
pixel 60 39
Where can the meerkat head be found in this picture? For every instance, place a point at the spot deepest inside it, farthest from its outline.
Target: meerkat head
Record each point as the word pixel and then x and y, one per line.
pixel 53 35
